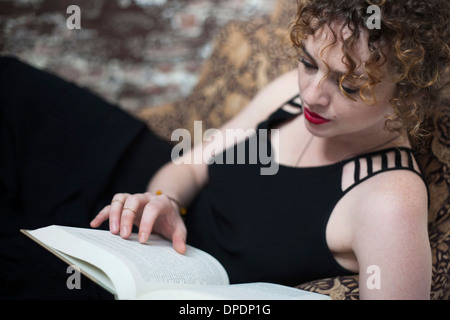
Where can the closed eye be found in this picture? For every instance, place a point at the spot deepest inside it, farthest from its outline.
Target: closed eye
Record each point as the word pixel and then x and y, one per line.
pixel 349 90
pixel 307 64
pixel 310 66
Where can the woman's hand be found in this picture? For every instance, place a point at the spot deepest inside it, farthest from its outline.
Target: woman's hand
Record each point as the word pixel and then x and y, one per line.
pixel 151 213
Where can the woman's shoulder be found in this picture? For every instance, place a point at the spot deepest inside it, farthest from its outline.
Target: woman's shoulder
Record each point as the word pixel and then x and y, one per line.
pixel 396 197
pixel 395 192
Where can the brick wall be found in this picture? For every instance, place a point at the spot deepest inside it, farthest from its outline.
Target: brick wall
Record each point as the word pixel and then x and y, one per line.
pixel 131 52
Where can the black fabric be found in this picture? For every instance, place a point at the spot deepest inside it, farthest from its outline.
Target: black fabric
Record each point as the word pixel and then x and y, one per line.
pixel 272 227
pixel 64 153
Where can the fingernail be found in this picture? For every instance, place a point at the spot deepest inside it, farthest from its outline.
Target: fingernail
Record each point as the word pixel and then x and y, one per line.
pixel 114 227
pixel 123 231
pixel 142 237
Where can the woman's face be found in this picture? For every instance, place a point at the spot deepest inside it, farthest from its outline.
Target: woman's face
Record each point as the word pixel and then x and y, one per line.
pixel 329 112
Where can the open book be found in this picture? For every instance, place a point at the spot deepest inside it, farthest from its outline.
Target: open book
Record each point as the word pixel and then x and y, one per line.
pixel 154 270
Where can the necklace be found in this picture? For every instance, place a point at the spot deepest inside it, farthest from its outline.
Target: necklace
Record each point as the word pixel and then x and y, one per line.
pixel 304 150
pixel 350 155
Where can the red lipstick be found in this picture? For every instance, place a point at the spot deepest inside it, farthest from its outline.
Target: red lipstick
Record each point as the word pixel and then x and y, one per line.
pixel 314 118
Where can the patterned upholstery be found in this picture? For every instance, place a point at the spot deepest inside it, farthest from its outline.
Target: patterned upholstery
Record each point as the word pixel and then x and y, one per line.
pixel 250 54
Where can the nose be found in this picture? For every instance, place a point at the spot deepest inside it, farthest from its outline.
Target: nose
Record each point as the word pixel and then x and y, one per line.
pixel 315 93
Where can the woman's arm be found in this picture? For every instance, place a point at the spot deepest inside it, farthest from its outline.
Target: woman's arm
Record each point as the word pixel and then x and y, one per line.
pixel 390 239
pixel 180 183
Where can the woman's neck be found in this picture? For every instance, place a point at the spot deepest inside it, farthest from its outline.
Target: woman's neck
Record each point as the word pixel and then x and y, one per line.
pixel 341 148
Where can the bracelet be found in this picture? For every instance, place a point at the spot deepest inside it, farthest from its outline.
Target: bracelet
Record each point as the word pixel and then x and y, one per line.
pixel 183 210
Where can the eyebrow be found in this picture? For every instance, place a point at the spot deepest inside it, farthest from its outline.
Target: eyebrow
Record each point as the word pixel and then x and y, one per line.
pixel 337 73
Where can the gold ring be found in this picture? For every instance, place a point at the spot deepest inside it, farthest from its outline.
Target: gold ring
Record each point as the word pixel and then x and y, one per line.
pixel 118 201
pixel 134 211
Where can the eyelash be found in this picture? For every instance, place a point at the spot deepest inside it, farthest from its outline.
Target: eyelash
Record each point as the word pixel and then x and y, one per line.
pixel 307 64
pixel 348 90
pixel 312 67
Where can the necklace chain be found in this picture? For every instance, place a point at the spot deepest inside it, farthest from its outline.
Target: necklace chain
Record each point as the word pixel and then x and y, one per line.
pixel 304 150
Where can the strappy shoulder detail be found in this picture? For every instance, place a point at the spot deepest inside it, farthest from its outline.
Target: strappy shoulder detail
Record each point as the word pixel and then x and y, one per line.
pixel 283 113
pixel 295 102
pixel 368 165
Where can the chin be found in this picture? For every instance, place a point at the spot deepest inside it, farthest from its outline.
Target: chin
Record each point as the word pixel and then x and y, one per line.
pixel 321 131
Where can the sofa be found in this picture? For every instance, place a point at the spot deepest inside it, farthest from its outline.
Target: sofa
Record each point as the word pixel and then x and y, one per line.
pixel 249 54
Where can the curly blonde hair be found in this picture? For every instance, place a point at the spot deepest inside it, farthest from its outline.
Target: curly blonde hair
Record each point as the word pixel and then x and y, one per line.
pixel 413 39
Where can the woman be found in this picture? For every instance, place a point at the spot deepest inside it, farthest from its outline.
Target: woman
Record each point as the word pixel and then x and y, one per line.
pixel 363 94
pixel 348 194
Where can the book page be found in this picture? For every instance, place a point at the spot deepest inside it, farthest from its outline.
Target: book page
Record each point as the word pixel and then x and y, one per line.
pixel 89 270
pixel 246 291
pixel 81 253
pixel 156 261
pixel 154 264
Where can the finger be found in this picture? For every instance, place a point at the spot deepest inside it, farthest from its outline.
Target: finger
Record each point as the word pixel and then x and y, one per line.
pixel 101 217
pixel 149 215
pixel 116 211
pixel 172 226
pixel 179 239
pixel 126 222
pixel 130 213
